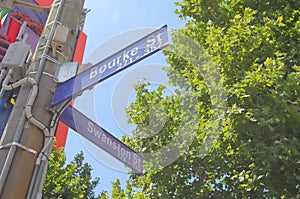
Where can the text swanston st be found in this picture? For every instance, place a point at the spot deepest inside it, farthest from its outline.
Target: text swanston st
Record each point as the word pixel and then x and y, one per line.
pixel 120 151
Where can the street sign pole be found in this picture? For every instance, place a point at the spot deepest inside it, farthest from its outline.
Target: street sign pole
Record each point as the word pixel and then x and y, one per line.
pixel 27 138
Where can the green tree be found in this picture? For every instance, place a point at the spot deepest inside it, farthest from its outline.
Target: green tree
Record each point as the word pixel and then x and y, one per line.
pixel 68 181
pixel 117 191
pixel 254 144
pixel 104 195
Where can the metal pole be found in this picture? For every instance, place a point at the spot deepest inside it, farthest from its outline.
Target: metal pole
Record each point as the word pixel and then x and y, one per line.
pixel 25 141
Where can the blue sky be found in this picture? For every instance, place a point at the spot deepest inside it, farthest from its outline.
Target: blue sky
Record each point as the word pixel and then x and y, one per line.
pixel 112 25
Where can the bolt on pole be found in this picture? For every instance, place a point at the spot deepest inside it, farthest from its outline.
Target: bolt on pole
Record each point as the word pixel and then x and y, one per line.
pixel 27 138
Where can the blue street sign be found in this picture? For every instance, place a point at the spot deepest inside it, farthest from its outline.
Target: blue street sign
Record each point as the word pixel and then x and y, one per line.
pixel 117 62
pixel 102 138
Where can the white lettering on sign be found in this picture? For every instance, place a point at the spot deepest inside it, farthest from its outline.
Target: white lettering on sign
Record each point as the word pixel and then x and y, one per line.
pixel 119 62
pixel 153 43
pixel 94 72
pixel 127 56
pixel 122 153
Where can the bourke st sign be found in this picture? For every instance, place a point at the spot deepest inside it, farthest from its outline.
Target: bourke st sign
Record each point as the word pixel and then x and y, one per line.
pixel 112 65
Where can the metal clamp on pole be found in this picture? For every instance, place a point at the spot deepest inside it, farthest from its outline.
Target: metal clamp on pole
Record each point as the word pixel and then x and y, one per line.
pixel 49 58
pixel 20 146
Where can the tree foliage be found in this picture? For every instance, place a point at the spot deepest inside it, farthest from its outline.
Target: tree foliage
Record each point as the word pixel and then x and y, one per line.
pixel 254 46
pixel 68 180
